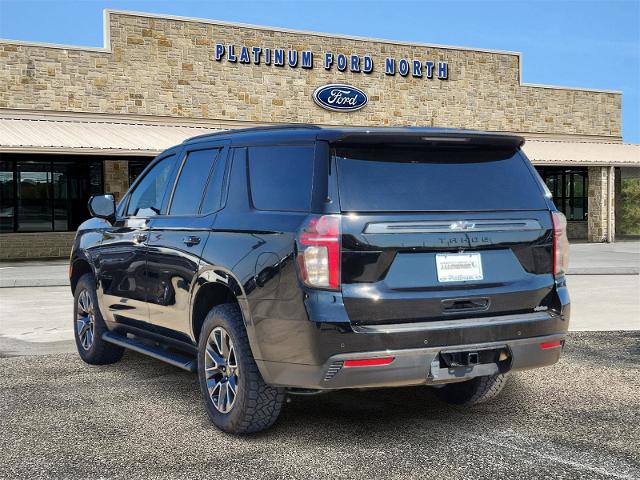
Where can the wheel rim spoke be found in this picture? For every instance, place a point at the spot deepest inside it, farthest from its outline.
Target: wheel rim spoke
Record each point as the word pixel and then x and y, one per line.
pixel 231 357
pixel 85 323
pixel 233 385
pixel 222 397
pixel 221 370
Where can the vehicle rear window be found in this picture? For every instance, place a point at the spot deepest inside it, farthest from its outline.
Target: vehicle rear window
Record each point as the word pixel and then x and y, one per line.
pixel 406 179
pixel 281 177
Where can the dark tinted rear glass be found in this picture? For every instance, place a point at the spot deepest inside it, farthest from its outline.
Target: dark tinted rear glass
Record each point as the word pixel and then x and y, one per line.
pixel 403 179
pixel 281 177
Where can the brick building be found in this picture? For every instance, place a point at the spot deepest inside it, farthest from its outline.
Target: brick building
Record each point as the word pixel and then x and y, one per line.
pixel 76 121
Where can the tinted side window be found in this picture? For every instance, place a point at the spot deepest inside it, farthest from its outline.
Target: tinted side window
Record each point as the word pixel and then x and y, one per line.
pixel 213 194
pixel 193 178
pixel 146 199
pixel 281 177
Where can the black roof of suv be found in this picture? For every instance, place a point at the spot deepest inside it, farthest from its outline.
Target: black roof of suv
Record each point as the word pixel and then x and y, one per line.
pixel 298 132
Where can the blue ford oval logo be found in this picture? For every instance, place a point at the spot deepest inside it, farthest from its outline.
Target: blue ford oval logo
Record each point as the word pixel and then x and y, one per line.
pixel 340 98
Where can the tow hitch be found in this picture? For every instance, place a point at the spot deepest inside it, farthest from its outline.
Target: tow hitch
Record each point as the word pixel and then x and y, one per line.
pixel 460 359
pixel 452 366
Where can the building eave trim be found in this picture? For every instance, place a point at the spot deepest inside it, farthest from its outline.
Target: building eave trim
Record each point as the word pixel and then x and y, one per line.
pixel 79 151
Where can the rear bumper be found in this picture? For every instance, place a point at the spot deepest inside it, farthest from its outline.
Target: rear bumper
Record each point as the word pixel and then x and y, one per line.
pixel 418 366
pixel 312 354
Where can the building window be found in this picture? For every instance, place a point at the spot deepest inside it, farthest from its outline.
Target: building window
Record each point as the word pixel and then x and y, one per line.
pixel 42 193
pixel 569 189
pixel 7 204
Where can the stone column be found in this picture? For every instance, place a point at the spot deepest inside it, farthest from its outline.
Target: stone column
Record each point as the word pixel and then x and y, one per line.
pixel 116 177
pixel 600 204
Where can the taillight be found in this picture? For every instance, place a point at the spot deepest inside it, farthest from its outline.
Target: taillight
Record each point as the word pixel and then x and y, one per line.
pixel 319 251
pixel 560 244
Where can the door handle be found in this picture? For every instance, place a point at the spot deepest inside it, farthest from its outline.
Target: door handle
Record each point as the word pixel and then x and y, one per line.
pixel 190 241
pixel 140 237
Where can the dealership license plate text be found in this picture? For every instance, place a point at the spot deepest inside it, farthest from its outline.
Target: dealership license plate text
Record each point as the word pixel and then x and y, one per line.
pixel 459 267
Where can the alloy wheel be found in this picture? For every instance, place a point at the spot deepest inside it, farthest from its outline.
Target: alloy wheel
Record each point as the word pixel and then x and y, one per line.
pixel 85 320
pixel 221 370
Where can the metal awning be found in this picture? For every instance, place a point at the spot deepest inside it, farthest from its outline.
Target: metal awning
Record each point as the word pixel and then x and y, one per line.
pixel 109 135
pixel 547 152
pixel 91 137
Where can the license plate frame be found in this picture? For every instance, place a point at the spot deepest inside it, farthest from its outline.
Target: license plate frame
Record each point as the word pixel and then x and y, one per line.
pixel 459 267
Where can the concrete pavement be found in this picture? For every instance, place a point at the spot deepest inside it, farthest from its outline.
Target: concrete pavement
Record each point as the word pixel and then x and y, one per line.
pixel 618 258
pixel 36 320
pixel 36 273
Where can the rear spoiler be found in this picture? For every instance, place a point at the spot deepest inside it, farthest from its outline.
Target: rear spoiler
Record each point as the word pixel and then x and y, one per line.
pixel 422 136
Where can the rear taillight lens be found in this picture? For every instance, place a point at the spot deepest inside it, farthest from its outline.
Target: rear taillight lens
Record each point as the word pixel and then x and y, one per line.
pixel 319 252
pixel 560 244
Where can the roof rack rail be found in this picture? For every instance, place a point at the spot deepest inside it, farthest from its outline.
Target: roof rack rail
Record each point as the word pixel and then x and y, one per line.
pixel 254 129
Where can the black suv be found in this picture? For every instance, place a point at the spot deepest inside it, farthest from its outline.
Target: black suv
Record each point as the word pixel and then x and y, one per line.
pixel 302 259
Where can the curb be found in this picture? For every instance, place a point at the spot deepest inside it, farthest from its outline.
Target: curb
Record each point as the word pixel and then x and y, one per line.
pixel 34 283
pixel 604 271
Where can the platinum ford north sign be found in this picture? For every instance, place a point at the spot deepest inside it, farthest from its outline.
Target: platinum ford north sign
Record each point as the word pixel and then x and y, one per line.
pixel 280 57
pixel 340 98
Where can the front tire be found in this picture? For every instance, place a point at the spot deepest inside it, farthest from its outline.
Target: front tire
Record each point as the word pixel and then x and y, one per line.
pixel 474 391
pixel 236 397
pixel 89 326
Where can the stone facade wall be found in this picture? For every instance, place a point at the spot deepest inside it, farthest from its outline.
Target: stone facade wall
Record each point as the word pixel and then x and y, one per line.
pixel 167 67
pixel 23 246
pixel 598 204
pixel 577 230
pixel 116 177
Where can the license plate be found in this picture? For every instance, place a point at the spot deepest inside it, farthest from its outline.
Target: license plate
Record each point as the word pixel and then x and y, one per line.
pixel 458 267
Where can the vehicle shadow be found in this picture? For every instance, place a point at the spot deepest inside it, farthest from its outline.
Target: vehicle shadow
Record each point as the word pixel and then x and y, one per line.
pixel 348 413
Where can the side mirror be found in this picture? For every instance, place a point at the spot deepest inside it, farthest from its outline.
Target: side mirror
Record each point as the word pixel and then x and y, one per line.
pixel 103 206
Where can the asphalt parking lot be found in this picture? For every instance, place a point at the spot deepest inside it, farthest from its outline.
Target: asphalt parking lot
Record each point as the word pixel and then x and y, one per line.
pixel 141 418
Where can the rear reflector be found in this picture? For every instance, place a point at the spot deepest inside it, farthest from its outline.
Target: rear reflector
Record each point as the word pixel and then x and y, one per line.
pixel 368 362
pixel 547 345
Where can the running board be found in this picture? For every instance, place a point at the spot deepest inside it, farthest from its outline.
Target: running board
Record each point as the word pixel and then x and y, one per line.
pixel 158 353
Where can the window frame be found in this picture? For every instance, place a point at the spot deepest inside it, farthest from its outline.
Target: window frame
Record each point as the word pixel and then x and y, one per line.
pixel 177 152
pixel 226 156
pixel 181 152
pixel 223 148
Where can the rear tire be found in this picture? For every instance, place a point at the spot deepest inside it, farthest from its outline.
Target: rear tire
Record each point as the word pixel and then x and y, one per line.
pixel 89 326
pixel 236 397
pixel 474 391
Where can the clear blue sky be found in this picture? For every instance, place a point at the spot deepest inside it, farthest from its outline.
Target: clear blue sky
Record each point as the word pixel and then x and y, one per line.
pixel 593 44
